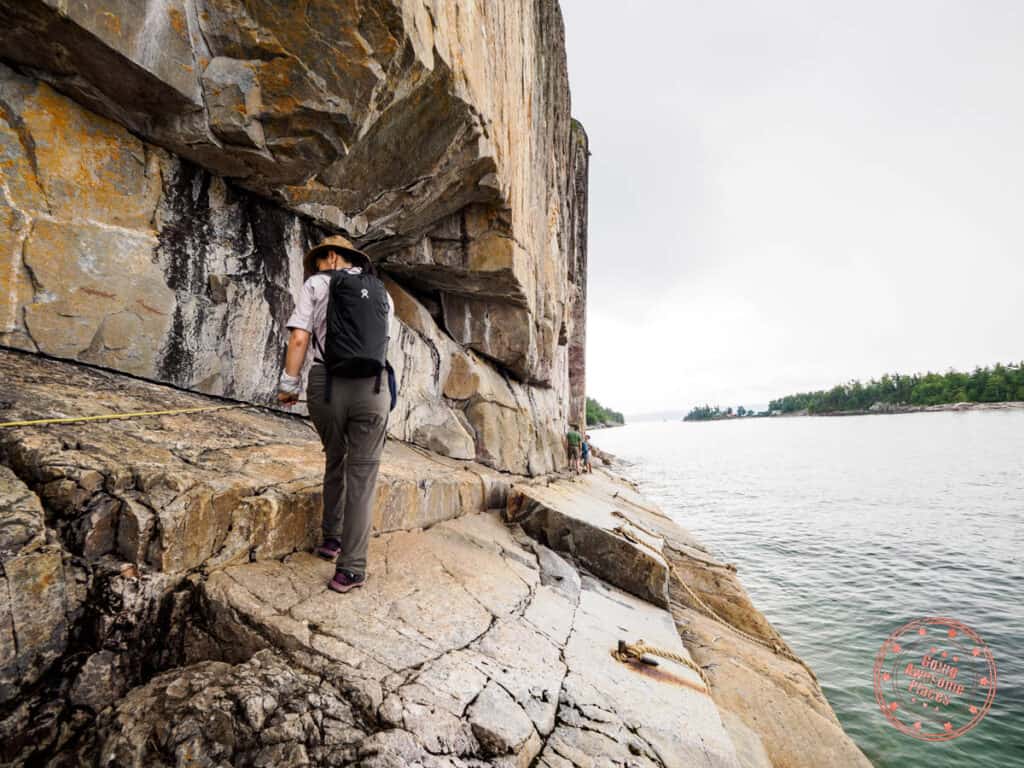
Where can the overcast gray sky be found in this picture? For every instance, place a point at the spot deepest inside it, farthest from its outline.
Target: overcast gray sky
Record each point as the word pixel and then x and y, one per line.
pixel 785 195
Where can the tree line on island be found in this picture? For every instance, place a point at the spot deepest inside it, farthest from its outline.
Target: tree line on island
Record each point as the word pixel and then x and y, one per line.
pixel 714 413
pixel 598 415
pixel 997 384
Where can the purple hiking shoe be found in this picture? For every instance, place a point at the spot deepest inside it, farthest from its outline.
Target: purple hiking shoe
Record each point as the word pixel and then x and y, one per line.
pixel 344 580
pixel 329 550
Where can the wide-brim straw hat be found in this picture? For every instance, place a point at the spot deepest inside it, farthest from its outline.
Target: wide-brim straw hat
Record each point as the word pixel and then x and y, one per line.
pixel 334 243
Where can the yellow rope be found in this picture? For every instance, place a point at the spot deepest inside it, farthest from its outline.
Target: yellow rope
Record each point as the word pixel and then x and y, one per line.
pixel 636 652
pixel 772 645
pixel 132 415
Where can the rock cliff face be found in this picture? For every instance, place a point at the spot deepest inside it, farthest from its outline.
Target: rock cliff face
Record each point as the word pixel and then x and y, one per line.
pixel 155 220
pixel 578 277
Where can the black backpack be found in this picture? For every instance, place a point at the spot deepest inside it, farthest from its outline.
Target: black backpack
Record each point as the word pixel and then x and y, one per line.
pixel 356 346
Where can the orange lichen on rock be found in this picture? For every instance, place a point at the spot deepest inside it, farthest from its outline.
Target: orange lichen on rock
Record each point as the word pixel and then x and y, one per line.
pixel 112 22
pixel 178 21
pixel 88 166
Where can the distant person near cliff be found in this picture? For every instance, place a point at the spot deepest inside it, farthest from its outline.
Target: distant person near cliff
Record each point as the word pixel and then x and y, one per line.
pixel 587 466
pixel 347 311
pixel 573 440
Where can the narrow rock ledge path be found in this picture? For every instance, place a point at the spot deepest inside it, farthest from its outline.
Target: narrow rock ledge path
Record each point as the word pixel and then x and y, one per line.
pixel 163 608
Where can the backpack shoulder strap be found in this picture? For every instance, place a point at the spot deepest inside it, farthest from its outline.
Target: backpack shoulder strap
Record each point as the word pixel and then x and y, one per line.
pixel 318 345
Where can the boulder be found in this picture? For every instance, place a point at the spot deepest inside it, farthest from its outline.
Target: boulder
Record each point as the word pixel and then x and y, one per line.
pixel 583 517
pixel 264 712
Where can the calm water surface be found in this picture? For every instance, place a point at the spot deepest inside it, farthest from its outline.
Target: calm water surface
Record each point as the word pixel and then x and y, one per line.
pixel 844 529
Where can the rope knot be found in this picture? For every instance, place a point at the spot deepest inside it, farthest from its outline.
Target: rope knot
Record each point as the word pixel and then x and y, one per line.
pixel 642 653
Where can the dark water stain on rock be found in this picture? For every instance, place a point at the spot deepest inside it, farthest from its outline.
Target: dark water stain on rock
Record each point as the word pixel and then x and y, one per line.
pixel 183 252
pixel 184 235
pixel 272 230
pixel 221 248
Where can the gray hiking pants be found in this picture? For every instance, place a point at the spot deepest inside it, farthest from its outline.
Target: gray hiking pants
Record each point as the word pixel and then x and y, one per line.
pixel 352 428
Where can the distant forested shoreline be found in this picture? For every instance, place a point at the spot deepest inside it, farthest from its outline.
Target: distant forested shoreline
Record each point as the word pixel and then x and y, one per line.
pixel 998 384
pixel 715 413
pixel 892 393
pixel 598 415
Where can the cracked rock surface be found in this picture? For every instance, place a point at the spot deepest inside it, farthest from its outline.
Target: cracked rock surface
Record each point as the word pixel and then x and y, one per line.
pixel 176 492
pixel 166 553
pixel 161 607
pixel 469 645
pixel 107 527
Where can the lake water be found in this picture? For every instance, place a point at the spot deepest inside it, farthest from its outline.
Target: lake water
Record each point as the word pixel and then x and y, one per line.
pixel 844 529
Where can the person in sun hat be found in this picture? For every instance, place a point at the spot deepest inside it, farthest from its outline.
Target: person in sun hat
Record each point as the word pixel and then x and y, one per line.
pixel 346 312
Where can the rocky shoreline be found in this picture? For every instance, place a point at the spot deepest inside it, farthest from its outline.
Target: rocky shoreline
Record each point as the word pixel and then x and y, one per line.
pixel 884 409
pixel 163 605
